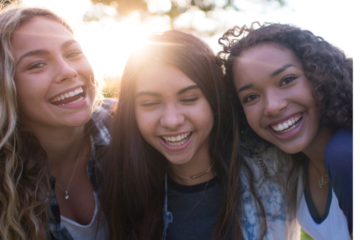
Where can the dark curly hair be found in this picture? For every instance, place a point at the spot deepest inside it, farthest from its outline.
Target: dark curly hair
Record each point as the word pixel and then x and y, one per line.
pixel 325 66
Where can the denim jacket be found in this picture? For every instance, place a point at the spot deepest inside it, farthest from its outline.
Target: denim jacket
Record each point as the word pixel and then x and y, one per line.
pixel 168 217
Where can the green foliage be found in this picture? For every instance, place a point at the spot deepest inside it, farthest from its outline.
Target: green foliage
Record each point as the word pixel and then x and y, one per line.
pixel 111 88
pixel 305 236
pixel 4 3
pixel 125 7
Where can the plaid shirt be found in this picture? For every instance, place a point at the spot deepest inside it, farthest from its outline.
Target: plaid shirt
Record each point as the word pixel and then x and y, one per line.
pixel 100 137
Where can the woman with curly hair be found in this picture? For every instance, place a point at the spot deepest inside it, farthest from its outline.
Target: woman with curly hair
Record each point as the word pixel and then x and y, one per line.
pixel 48 131
pixel 174 169
pixel 295 91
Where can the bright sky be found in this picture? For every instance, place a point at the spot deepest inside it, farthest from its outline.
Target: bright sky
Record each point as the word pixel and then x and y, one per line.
pixel 108 43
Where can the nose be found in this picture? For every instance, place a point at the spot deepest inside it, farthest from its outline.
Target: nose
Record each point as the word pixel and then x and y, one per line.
pixel 66 71
pixel 172 118
pixel 274 104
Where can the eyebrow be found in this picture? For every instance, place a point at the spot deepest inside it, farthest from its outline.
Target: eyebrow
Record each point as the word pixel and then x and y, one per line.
pixel 147 93
pixel 40 52
pixel 247 86
pixel 68 43
pixel 187 89
pixel 158 95
pixel 283 68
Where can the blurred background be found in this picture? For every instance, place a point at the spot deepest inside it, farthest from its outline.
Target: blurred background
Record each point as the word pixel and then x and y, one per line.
pixel 109 30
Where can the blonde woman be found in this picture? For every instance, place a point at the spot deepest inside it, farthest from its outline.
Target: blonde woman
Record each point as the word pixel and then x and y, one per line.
pixel 51 137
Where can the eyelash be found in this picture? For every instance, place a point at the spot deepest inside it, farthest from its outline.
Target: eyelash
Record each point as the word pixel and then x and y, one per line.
pixel 246 98
pixel 149 104
pixel 291 78
pixel 74 52
pixel 190 100
pixel 282 83
pixel 36 65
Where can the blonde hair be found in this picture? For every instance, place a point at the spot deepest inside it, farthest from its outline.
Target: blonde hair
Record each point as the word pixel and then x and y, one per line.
pixel 24 171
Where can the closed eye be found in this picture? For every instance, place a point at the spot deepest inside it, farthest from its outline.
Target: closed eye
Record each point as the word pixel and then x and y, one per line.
pixel 190 100
pixel 286 80
pixel 149 104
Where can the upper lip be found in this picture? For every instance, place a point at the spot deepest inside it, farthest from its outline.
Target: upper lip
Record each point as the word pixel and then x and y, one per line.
pixel 68 90
pixel 282 119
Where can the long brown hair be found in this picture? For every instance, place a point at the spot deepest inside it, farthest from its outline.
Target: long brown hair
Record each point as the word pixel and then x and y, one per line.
pixel 24 169
pixel 133 188
pixel 325 66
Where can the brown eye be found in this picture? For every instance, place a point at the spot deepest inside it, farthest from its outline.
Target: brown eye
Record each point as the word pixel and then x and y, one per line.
pixel 286 80
pixel 250 98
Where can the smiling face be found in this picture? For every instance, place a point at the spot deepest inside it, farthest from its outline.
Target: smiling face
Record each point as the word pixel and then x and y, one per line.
pixel 172 114
pixel 53 77
pixel 276 96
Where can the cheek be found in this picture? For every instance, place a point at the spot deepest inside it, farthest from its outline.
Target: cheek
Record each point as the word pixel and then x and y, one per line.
pixel 30 92
pixel 84 68
pixel 145 123
pixel 139 120
pixel 253 117
pixel 207 119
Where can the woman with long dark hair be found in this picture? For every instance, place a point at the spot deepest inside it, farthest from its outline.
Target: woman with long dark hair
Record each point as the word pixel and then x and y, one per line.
pixel 174 169
pixel 51 137
pixel 295 91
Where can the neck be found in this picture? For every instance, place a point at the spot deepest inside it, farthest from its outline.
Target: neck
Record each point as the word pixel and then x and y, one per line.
pixel 196 166
pixel 62 145
pixel 315 151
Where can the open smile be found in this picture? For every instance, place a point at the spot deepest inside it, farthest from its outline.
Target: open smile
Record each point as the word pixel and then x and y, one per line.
pixel 177 140
pixel 69 97
pixel 287 125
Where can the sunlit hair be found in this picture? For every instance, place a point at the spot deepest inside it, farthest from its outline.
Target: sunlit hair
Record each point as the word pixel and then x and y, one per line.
pixel 133 188
pixel 24 169
pixel 324 65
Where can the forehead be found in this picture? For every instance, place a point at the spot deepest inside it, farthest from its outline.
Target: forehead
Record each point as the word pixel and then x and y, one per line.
pixel 39 32
pixel 266 56
pixel 160 77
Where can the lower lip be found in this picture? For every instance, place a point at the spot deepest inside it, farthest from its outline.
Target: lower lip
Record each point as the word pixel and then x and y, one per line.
pixel 292 133
pixel 78 104
pixel 176 148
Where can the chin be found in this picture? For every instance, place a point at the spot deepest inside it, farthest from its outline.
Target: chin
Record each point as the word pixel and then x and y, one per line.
pixel 290 149
pixel 178 161
pixel 78 122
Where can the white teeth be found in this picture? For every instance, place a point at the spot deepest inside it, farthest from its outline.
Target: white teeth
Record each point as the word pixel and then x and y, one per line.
pixel 287 125
pixel 176 140
pixel 67 95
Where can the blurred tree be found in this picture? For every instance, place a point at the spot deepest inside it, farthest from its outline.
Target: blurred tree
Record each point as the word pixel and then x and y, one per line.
pixel 4 3
pixel 177 7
